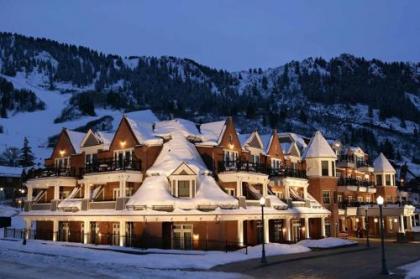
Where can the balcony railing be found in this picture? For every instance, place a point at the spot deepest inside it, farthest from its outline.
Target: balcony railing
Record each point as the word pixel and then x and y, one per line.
pixel 287 172
pixel 350 159
pixel 52 172
pixel 239 165
pixel 349 181
pixel 112 165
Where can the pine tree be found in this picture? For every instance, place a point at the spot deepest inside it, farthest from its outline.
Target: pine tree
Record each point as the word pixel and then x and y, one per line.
pixel 26 158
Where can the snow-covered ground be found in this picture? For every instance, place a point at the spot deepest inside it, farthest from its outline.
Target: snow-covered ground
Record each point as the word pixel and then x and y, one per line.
pixel 329 242
pixel 413 270
pixel 416 229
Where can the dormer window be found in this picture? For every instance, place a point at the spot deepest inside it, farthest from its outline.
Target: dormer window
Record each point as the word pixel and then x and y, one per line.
pixel 184 188
pixel 183 182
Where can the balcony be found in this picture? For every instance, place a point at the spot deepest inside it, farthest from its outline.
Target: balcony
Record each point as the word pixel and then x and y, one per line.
pixel 349 181
pixel 54 172
pixel 346 161
pixel 238 165
pixel 286 172
pixel 113 165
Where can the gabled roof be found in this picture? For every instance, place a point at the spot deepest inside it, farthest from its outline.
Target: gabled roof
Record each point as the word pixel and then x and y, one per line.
pixel 105 138
pixel 143 131
pixel 186 127
pixel 174 152
pixel 319 148
pixel 266 141
pixel 212 132
pixel 251 140
pixel 75 138
pixel 381 164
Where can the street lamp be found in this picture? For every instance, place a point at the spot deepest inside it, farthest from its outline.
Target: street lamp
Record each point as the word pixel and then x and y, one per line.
pixel 380 201
pixel 263 258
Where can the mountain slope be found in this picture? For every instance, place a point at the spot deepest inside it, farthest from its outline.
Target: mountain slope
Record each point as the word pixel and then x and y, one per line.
pixel 366 102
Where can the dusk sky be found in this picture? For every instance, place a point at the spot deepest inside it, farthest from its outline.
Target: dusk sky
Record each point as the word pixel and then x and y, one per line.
pixel 229 34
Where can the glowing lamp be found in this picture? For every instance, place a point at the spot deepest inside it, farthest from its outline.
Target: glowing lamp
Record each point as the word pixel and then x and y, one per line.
pixel 1 189
pixel 231 146
pixel 196 237
pixel 62 152
pixel 262 201
pixel 380 200
pixel 395 220
pixel 357 220
pixel 123 143
pixel 303 228
pixel 376 220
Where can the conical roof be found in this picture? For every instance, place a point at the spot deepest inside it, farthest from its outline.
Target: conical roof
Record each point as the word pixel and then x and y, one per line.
pixel 319 148
pixel 381 164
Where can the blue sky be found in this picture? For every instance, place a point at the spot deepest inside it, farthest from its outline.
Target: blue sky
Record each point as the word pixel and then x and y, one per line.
pixel 230 34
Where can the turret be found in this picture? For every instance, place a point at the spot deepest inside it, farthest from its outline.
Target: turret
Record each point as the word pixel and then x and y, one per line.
pixel 384 172
pixel 320 158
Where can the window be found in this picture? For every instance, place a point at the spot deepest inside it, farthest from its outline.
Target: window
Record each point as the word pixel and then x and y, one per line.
pixel 388 179
pixel 367 199
pixel 115 193
pixel 324 167
pixel 183 188
pixel 123 158
pixel 379 180
pixel 231 192
pixel 255 159
pixel 279 195
pixel 90 158
pixel 360 199
pixel 129 191
pixel 349 198
pixel 275 164
pixel 333 168
pixel 62 163
pixel 230 158
pixel 339 198
pixel 393 180
pixel 326 197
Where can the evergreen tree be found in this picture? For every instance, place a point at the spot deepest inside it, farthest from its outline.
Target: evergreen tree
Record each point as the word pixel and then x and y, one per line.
pixel 26 158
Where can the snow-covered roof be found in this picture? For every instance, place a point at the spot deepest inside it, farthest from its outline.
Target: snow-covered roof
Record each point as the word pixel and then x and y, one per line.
pixel 286 147
pixel 381 164
pixel 105 138
pixel 212 131
pixel 176 151
pixel 144 132
pixel 243 138
pixel 76 139
pixel 266 141
pixel 319 148
pixel 6 171
pixel 186 127
pixel 71 203
pixel 145 116
pixel 155 192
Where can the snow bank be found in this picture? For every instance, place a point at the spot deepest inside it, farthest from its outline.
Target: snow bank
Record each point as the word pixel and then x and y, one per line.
pixel 413 270
pixel 153 258
pixel 329 242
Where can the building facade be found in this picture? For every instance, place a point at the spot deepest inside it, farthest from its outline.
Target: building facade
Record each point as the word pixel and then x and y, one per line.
pixel 175 184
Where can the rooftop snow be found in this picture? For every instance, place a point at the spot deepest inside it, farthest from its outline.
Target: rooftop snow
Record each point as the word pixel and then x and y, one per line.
pixel 144 132
pixel 76 139
pixel 381 164
pixel 178 125
pixel 212 131
pixel 176 151
pixel 319 148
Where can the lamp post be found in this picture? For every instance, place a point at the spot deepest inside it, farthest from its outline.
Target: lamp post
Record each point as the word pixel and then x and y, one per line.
pixel 263 258
pixel 380 201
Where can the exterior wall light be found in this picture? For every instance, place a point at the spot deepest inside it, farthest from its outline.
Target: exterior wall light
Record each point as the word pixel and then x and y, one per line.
pixel 62 152
pixel 196 237
pixel 123 143
pixel 376 220
pixel 231 146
